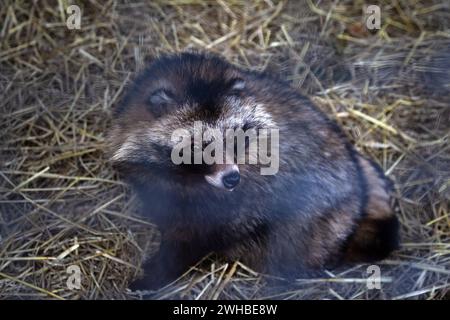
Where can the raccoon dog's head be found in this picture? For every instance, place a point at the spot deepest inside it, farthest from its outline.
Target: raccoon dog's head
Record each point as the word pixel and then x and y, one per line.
pixel 189 92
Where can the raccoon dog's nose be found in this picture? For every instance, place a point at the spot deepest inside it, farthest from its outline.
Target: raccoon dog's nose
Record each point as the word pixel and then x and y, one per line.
pixel 231 179
pixel 224 177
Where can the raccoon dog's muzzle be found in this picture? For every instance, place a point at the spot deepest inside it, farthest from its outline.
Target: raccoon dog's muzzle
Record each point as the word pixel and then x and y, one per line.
pixel 225 176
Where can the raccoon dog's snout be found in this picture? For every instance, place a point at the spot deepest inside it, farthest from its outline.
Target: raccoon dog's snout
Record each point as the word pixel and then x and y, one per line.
pixel 225 176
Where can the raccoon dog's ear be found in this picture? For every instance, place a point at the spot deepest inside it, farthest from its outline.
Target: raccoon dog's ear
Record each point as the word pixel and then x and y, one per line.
pixel 160 101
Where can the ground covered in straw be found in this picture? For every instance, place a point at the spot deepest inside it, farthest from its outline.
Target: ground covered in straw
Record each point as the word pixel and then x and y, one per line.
pixel 61 204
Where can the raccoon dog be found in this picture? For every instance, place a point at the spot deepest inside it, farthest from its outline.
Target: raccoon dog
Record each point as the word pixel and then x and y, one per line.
pixel 326 205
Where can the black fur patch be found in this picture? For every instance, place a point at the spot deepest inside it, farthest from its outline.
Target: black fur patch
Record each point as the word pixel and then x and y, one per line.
pixel 378 239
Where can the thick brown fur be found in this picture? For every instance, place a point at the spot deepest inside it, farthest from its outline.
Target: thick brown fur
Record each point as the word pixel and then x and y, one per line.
pixel 326 205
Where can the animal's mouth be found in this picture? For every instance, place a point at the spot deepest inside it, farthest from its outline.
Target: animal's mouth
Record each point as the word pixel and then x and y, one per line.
pixel 225 177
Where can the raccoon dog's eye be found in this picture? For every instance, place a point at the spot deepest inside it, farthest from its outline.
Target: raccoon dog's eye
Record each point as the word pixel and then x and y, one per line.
pixel 237 86
pixel 159 101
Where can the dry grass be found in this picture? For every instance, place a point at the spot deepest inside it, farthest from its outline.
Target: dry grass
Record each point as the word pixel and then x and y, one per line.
pixel 61 204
